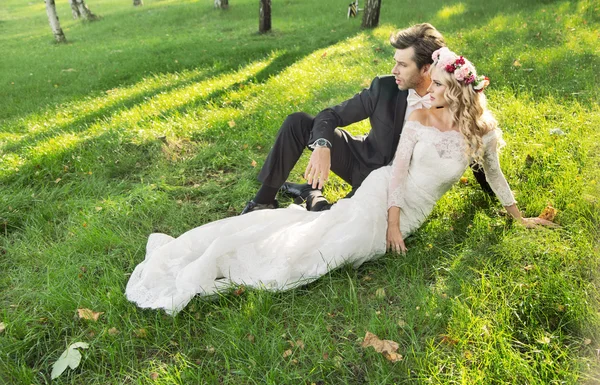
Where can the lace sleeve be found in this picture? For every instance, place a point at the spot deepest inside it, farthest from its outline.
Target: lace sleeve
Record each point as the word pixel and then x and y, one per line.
pixel 493 172
pixel 408 139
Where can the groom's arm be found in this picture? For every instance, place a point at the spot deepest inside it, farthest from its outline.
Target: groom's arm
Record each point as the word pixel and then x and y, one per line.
pixel 353 110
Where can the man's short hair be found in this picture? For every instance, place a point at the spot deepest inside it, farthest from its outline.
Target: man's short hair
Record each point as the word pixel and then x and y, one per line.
pixel 424 39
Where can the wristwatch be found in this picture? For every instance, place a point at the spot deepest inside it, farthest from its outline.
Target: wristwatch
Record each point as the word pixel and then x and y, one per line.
pixel 321 142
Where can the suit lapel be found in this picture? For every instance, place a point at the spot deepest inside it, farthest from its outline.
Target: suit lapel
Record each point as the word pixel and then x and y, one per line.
pixel 400 112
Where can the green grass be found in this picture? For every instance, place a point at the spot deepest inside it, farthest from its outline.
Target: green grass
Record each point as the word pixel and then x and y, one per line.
pixel 150 120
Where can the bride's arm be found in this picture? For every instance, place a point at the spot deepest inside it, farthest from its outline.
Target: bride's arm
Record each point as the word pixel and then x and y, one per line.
pixel 497 181
pixel 396 190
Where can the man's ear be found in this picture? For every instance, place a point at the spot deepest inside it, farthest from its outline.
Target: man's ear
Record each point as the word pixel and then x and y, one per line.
pixel 425 68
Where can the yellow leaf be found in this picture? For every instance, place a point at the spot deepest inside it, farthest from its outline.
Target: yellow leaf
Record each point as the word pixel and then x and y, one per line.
pixel 544 340
pixel 113 331
pixel 548 213
pixel 253 164
pixel 464 180
pixel 380 293
pixel 141 333
pixel 529 267
pixel 57 180
pixel 232 123
pixel 2 327
pixel 587 341
pixel 517 63
pixel 287 353
pixel 153 375
pixel 98 208
pixel 89 314
pixel 387 347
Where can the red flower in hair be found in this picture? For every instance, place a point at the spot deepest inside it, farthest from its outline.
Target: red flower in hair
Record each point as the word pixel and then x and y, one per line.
pixel 460 60
pixel 450 68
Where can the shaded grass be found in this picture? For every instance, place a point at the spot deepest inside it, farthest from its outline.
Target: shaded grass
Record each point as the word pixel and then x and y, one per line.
pixel 156 129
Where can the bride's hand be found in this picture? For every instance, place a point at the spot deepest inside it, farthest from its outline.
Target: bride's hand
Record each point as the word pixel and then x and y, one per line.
pixel 395 242
pixel 532 223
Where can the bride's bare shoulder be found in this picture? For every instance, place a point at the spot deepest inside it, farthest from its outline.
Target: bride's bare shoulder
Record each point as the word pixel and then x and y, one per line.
pixel 420 115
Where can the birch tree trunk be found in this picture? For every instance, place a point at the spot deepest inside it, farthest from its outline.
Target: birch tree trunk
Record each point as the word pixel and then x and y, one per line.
pixel 371 14
pixel 82 9
pixel 137 3
pixel 223 4
pixel 264 17
pixel 54 24
pixel 74 9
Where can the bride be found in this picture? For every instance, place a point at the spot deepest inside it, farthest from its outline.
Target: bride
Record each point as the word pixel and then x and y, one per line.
pixel 285 248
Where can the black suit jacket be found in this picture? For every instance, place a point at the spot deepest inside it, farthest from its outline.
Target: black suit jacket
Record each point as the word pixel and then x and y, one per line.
pixel 385 105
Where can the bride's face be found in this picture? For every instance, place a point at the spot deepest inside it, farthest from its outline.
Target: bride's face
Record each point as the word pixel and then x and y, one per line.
pixel 437 89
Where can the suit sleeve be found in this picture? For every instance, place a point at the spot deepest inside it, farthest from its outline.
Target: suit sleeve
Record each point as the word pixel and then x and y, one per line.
pixel 359 107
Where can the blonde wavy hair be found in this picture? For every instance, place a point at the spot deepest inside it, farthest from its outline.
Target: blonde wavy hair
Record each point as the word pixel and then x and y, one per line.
pixel 469 112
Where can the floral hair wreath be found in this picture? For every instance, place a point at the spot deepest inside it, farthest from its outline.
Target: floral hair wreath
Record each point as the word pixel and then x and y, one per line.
pixel 462 69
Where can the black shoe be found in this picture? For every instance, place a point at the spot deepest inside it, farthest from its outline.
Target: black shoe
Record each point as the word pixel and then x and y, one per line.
pixel 297 190
pixel 253 206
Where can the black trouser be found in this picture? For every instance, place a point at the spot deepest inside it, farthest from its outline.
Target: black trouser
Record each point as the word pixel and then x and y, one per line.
pixel 293 137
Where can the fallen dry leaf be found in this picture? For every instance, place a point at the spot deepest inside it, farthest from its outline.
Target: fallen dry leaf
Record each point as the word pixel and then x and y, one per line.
pixel 544 340
pixel 386 347
pixel 287 353
pixel 587 341
pixel 448 340
pixel 529 267
pixel 2 327
pixel 57 180
pixel 253 163
pixel 153 375
pixel 239 291
pixel 516 63
pixel 89 314
pixel 210 349
pixel 113 331
pixel 250 337
pixel 232 123
pixel 141 333
pixel 548 213
pixel 380 293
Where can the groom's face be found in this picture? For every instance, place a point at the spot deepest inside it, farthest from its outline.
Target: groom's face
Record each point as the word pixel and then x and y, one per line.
pixel 406 72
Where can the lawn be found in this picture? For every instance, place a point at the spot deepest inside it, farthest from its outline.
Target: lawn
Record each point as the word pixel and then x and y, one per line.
pixel 158 118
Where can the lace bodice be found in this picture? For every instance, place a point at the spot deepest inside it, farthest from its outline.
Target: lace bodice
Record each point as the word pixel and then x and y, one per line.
pixel 430 161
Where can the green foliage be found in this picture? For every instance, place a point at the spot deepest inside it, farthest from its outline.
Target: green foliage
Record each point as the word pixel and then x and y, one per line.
pixel 151 120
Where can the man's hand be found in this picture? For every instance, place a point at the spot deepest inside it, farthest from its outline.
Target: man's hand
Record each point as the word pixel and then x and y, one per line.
pixel 394 239
pixel 317 171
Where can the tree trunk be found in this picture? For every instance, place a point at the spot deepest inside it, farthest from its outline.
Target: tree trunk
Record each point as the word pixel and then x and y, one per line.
pixel 83 10
pixel 371 14
pixel 137 3
pixel 74 9
pixel 54 24
pixel 264 18
pixel 223 4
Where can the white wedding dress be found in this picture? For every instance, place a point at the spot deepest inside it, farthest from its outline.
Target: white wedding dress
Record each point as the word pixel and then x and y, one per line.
pixel 288 247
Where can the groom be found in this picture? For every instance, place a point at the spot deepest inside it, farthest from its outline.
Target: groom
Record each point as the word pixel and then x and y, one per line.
pixel 387 103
